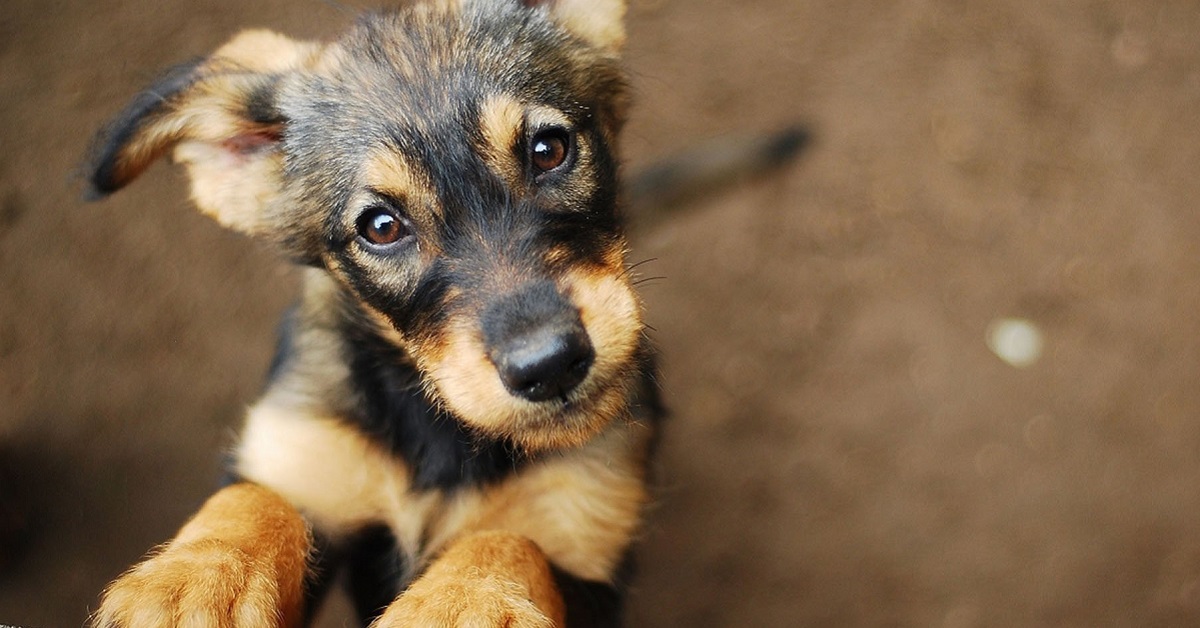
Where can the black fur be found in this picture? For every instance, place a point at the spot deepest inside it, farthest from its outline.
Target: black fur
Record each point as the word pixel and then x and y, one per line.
pixel 375 572
pixel 393 409
pixel 590 604
pixel 323 561
pixel 260 105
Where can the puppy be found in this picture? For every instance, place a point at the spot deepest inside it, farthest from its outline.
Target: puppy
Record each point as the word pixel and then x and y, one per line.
pixel 461 411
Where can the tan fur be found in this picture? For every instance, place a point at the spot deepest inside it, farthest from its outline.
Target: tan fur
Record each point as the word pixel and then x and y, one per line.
pixel 599 22
pixel 557 255
pixel 543 116
pixel 611 314
pixel 582 507
pixel 232 186
pixel 266 51
pixel 338 478
pixel 240 561
pixel 501 119
pixel 483 579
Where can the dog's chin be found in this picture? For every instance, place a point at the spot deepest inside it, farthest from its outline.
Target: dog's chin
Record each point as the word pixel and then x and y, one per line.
pixel 567 423
pixel 545 425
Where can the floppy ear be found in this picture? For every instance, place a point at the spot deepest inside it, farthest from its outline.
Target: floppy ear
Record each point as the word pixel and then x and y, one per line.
pixel 219 115
pixel 598 22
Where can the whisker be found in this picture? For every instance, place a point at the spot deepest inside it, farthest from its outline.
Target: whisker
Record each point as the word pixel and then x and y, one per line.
pixel 630 268
pixel 643 280
pixel 645 261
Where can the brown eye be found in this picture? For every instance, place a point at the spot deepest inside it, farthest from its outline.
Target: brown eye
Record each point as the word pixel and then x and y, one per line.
pixel 381 226
pixel 549 149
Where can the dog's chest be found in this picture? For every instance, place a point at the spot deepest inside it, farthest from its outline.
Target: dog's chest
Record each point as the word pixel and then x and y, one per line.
pixel 579 506
pixel 337 477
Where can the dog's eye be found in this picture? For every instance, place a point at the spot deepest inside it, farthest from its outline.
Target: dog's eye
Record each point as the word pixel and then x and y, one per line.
pixel 381 226
pixel 549 149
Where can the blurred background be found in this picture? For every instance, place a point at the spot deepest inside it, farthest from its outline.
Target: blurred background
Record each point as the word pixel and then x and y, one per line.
pixel 942 371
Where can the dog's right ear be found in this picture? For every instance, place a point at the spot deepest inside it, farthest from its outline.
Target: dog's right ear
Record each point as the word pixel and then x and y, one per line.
pixel 220 117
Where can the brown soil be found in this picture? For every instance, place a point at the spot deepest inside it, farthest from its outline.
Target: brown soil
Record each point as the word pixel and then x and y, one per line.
pixel 845 449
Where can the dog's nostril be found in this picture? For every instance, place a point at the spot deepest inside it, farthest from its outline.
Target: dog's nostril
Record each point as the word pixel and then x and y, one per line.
pixel 545 363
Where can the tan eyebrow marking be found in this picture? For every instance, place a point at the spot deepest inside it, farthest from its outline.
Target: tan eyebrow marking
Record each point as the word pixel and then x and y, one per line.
pixel 541 116
pixel 501 119
pixel 386 171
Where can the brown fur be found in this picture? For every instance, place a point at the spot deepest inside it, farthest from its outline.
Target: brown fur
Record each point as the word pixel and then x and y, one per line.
pixel 483 579
pixel 240 561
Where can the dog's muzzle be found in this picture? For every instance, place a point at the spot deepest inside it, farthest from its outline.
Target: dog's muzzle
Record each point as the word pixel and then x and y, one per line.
pixel 537 342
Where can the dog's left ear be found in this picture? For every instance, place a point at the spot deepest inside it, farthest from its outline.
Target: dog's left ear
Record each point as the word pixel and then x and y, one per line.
pixel 598 22
pixel 220 117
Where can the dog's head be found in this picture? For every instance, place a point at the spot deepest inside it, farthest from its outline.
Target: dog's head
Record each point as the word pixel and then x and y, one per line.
pixel 452 166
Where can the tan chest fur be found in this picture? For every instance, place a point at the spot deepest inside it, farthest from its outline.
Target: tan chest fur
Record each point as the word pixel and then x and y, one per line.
pixel 581 506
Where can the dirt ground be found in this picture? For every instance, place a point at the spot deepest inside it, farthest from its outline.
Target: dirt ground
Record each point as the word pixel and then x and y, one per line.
pixel 845 448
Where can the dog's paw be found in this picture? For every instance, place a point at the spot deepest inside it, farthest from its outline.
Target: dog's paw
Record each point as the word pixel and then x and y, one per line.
pixel 202 583
pixel 478 601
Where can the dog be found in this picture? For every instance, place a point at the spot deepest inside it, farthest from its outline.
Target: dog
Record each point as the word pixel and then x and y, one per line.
pixel 462 409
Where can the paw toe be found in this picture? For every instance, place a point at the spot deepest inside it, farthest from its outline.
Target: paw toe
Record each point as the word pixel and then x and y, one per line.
pixel 192 588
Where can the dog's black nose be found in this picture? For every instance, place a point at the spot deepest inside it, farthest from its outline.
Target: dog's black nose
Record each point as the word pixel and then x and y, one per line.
pixel 537 343
pixel 546 363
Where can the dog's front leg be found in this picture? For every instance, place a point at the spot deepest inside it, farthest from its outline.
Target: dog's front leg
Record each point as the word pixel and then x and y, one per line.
pixel 482 580
pixel 240 561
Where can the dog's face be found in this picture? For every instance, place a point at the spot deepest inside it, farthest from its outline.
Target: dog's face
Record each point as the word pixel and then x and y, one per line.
pixel 452 166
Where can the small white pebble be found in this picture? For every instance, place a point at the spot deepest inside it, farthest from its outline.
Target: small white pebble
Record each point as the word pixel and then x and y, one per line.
pixel 1016 341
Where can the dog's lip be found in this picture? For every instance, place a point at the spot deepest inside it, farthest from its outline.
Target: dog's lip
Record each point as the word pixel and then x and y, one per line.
pixel 564 410
pixel 569 428
pixel 567 411
pixel 588 392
